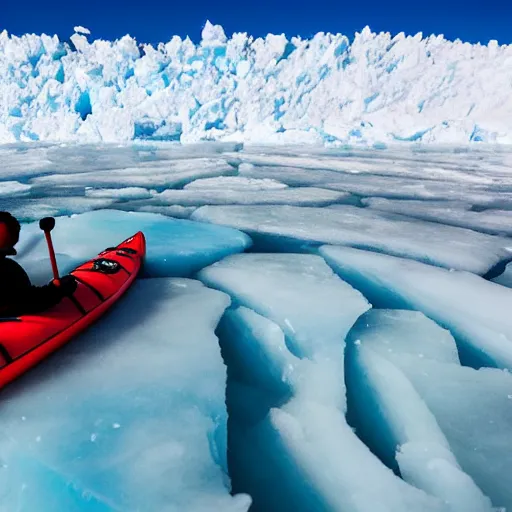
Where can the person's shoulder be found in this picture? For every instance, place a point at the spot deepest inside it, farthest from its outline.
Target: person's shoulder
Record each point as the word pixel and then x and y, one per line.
pixel 8 264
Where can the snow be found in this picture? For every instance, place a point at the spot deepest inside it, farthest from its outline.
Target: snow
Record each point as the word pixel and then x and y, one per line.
pixel 125 441
pixel 476 311
pixel 284 345
pixel 176 248
pixel 335 89
pixel 445 246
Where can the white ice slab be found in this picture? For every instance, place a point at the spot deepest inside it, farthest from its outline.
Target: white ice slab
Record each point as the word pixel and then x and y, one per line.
pixel 307 196
pixel 175 247
pixel 129 416
pixel 476 311
pixel 235 183
pixel 384 348
pixel 445 246
pixel 494 222
pixel 126 193
pixel 289 441
pixel 169 174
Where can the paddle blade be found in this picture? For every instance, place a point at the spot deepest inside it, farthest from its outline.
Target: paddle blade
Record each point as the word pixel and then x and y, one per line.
pixel 47 224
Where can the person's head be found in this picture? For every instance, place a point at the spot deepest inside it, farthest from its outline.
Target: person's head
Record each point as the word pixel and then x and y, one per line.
pixel 9 234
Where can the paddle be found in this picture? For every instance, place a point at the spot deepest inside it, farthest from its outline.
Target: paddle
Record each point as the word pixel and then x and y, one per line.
pixel 47 224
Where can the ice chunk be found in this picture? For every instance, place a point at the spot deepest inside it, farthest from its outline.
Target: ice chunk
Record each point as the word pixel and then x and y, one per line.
pixel 390 415
pixel 82 30
pixel 406 188
pixel 292 176
pixel 172 174
pixel 299 292
pixel 180 212
pixel 13 189
pixel 363 184
pixel 129 416
pixel 405 334
pixel 119 193
pixel 213 34
pixel 289 444
pixel 31 209
pixel 235 183
pixel 494 222
pixel 476 311
pixel 369 168
pixel 445 246
pixel 474 410
pixel 307 196
pixel 175 248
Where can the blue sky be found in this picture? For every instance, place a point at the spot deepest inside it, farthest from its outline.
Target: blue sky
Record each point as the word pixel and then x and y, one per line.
pixel 158 20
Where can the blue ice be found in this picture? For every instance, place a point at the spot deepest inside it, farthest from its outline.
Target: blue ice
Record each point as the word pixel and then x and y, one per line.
pixel 445 246
pixel 476 311
pixel 129 416
pixel 283 340
pixel 175 248
pixel 389 414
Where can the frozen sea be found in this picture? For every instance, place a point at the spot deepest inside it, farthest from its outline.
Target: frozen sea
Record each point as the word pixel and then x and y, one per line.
pixel 315 329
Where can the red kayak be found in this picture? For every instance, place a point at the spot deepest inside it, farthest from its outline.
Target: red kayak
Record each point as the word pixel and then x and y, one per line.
pixel 28 339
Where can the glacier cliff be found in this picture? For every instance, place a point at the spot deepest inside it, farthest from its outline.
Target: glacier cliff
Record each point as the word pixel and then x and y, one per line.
pixel 372 90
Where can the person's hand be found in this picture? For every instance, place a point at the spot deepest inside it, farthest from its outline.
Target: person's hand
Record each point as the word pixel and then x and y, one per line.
pixel 68 285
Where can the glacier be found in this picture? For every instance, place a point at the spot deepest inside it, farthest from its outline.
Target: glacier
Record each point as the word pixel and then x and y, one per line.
pixel 369 89
pixel 252 366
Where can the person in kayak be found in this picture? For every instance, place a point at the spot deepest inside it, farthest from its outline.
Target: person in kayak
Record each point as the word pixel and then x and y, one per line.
pixel 17 294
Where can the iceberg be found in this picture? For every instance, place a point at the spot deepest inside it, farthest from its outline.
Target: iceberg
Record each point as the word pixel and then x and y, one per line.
pixel 446 246
pixel 176 248
pixel 476 311
pixel 290 447
pixel 87 430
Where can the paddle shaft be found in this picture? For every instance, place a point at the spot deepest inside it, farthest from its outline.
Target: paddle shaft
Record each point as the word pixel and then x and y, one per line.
pixel 53 260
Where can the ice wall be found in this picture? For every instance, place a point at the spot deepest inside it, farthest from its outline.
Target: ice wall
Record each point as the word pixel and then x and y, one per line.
pixel 328 89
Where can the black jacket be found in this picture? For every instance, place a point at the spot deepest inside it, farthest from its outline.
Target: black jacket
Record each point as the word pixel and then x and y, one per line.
pixel 17 294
